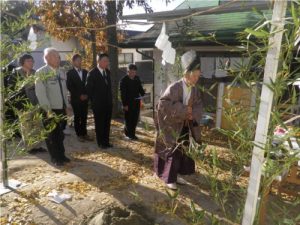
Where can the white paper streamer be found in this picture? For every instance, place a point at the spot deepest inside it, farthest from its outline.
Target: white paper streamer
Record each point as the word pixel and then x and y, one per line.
pixel 163 43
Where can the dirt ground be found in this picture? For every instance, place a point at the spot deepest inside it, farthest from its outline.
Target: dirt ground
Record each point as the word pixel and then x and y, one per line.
pixel 98 179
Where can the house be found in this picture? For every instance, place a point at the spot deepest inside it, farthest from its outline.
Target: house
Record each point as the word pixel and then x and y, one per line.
pixel 220 19
pixel 39 40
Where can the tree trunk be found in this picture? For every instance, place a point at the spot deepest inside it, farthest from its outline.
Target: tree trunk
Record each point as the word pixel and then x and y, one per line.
pixel 113 52
pixel 94 49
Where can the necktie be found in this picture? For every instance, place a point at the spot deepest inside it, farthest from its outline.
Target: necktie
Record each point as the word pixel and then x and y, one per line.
pixel 105 77
pixel 61 91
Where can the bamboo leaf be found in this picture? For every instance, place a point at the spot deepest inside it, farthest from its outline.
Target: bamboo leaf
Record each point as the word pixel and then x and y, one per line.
pixel 259 34
pixel 295 15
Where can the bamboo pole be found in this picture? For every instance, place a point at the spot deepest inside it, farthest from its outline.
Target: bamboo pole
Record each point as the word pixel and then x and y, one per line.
pixel 265 107
pixel 3 149
pixel 221 87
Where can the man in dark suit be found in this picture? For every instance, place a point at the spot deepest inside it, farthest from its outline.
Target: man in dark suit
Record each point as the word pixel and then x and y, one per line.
pixel 76 80
pixel 99 91
pixel 131 91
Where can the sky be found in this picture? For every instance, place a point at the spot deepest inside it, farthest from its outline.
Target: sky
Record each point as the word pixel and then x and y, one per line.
pixel 157 6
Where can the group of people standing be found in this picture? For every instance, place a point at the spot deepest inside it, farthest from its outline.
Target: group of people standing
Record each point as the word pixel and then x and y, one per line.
pixel 177 117
pixel 50 92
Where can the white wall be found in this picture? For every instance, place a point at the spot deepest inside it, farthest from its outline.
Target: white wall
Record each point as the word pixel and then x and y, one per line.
pixel 65 47
pixel 43 41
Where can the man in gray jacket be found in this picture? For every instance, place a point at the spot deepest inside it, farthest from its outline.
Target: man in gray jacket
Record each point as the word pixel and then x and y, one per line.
pixel 50 88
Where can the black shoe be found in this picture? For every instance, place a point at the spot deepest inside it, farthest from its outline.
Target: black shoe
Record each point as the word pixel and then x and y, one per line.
pixel 87 138
pixel 41 149
pixel 125 132
pixel 36 150
pixel 66 159
pixel 135 138
pixel 57 162
pixel 131 138
pixel 103 146
pixel 127 137
pixel 80 138
pixel 109 146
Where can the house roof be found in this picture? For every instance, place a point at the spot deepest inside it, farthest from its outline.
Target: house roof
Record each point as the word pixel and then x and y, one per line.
pixel 190 4
pixel 224 27
pixel 225 23
pixel 223 6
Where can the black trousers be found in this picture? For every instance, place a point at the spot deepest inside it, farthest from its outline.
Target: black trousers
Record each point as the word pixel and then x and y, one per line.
pixel 131 119
pixel 102 119
pixel 55 139
pixel 80 110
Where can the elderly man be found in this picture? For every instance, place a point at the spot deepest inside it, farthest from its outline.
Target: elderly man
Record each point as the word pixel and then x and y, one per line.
pixel 178 115
pixel 52 96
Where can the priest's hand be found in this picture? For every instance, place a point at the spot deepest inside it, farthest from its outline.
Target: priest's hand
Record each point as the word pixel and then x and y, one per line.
pixel 190 113
pixel 83 97
pixel 50 114
pixel 190 117
pixel 125 108
pixel 69 111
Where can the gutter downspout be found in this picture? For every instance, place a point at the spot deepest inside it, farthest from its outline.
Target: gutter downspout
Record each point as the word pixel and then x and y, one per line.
pixel 153 60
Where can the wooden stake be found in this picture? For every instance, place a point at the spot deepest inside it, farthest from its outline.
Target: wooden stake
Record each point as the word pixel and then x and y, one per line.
pixel 219 105
pixel 270 72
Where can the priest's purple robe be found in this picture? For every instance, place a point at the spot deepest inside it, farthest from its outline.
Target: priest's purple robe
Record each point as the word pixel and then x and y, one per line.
pixel 170 117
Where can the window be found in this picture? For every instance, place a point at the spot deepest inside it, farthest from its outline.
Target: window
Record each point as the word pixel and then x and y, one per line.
pixel 148 53
pixel 125 58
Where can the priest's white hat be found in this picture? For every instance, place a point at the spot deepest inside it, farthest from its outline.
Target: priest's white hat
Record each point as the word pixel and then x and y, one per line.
pixel 187 59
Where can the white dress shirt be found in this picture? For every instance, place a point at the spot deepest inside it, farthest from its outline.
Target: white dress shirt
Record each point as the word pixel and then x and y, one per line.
pixel 101 71
pixel 79 71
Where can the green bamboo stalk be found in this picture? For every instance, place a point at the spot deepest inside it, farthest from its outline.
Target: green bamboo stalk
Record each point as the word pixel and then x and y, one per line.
pixel 3 149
